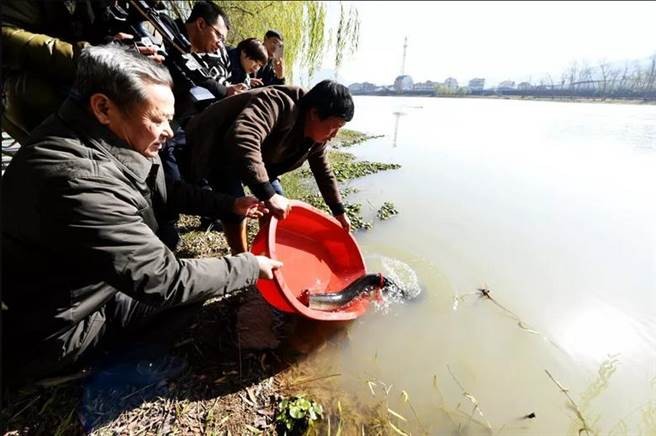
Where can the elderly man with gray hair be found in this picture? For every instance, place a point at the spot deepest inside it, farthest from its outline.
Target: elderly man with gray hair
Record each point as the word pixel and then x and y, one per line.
pixel 81 257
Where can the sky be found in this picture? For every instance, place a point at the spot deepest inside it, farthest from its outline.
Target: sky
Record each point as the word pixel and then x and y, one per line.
pixel 494 40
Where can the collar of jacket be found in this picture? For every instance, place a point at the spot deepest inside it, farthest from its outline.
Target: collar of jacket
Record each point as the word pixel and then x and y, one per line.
pixel 101 138
pixel 238 75
pixel 181 27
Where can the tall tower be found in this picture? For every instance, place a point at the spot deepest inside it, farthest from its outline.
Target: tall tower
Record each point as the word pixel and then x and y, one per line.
pixel 405 48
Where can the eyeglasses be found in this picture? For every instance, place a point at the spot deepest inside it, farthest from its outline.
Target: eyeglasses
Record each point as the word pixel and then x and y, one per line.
pixel 218 33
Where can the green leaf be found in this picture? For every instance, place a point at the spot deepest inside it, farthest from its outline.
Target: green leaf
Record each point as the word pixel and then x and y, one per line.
pixel 303 404
pixel 296 412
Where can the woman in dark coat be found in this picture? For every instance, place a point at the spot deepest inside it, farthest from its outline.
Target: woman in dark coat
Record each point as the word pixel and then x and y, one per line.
pixel 245 60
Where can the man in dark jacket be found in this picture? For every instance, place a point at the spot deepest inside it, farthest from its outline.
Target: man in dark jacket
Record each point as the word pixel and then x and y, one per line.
pixel 81 258
pixel 273 72
pixel 254 137
pixel 206 28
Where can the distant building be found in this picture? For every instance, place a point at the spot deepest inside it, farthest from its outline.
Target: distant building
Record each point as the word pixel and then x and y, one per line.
pixel 403 83
pixel 451 84
pixel 427 86
pixel 506 85
pixel 355 87
pixel 524 86
pixel 363 88
pixel 476 84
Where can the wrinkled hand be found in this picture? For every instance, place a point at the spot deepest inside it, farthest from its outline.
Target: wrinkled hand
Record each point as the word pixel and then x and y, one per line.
pixel 267 266
pixel 279 206
pixel 255 82
pixel 278 69
pixel 235 89
pixel 249 207
pixel 149 52
pixel 344 221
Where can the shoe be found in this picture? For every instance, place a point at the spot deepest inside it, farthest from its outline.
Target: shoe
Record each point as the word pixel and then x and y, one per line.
pixel 210 224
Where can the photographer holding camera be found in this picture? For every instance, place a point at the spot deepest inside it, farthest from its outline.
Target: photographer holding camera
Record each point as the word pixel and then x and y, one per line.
pixel 273 72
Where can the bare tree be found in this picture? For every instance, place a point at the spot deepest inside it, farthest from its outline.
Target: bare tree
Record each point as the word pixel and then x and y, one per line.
pixel 623 86
pixel 571 76
pixel 613 81
pixel 604 70
pixel 638 78
pixel 585 72
pixel 650 79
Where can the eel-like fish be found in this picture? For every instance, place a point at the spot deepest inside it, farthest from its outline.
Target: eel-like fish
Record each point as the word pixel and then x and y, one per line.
pixel 333 300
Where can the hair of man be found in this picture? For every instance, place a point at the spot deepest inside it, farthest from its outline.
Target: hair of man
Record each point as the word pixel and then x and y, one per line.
pixel 253 49
pixel 273 34
pixel 209 12
pixel 329 99
pixel 119 72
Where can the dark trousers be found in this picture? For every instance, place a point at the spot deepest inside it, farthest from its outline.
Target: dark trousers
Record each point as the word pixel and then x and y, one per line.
pixel 174 156
pixel 122 324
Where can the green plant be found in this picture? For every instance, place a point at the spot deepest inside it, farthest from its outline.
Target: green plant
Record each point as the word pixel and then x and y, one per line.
pixel 297 414
pixel 386 210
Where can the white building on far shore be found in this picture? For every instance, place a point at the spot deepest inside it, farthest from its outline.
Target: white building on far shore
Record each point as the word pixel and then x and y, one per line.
pixel 451 83
pixel 403 83
pixel 476 84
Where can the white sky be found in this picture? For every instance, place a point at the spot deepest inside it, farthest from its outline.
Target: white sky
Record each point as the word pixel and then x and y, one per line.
pixel 494 40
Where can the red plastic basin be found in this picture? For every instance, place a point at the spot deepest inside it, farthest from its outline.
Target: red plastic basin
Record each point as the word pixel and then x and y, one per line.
pixel 318 256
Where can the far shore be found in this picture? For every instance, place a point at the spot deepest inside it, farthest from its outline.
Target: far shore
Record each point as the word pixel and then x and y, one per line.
pixel 527 98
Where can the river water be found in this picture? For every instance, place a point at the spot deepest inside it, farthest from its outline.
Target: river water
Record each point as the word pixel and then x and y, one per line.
pixel 552 207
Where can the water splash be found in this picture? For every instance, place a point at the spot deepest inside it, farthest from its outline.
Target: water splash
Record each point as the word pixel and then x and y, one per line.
pixel 401 284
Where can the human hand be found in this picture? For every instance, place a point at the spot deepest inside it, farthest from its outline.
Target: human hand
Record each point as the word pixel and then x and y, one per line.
pixel 249 207
pixel 344 221
pixel 148 51
pixel 278 68
pixel 267 266
pixel 279 206
pixel 235 89
pixel 255 82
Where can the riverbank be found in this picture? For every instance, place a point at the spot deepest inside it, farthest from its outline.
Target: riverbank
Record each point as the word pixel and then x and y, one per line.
pixel 237 370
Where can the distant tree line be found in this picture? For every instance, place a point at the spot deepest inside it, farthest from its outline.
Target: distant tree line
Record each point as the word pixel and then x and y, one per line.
pixel 632 81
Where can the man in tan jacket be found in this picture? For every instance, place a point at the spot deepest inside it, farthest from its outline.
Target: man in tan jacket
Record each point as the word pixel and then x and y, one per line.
pixel 255 137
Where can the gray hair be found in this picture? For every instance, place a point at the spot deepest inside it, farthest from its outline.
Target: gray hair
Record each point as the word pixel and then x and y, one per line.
pixel 118 72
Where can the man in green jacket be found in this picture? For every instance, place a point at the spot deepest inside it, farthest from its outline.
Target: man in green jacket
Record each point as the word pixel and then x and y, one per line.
pixel 81 257
pixel 254 137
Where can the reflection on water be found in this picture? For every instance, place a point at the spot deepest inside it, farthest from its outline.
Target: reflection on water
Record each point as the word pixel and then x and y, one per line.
pixel 548 205
pixel 596 332
pixel 397 116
